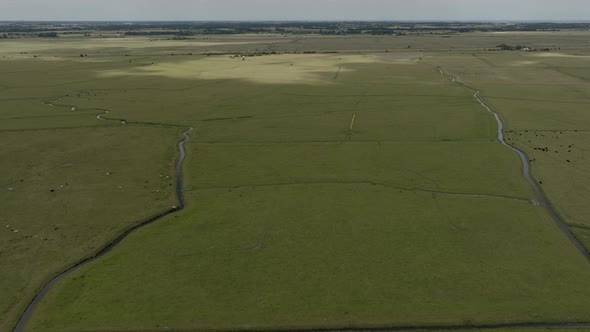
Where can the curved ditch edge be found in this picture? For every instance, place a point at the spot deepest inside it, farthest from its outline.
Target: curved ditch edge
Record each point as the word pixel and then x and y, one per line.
pixel 543 201
pixel 565 228
pixel 26 315
pixel 73 108
pixel 102 116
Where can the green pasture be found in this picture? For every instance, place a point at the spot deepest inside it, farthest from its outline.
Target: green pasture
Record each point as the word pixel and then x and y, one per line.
pixel 338 190
pixel 65 193
pixel 328 255
pixel 71 182
pixel 543 99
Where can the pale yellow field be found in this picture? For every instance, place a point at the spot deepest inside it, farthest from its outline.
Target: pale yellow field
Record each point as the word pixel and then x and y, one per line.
pixel 34 45
pixel 283 69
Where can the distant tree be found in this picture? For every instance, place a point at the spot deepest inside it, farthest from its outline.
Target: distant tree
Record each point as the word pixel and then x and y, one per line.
pixel 48 35
pixel 505 47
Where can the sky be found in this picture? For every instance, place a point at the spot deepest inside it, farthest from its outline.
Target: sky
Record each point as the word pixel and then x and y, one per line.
pixel 255 10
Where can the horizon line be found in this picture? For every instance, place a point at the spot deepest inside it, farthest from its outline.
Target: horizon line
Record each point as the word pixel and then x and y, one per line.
pixel 299 21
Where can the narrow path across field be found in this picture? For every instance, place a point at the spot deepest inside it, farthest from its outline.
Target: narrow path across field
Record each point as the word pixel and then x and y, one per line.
pixel 369 183
pixel 526 171
pixel 41 294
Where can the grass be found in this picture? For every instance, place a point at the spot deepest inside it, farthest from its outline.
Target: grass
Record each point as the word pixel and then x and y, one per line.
pixel 542 99
pixel 67 192
pixel 414 217
pixel 276 257
pixel 71 182
pixel 563 169
pixel 279 69
pixel 583 235
pixel 452 167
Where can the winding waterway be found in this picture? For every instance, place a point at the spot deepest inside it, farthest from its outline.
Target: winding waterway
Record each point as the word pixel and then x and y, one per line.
pixel 25 317
pixel 526 173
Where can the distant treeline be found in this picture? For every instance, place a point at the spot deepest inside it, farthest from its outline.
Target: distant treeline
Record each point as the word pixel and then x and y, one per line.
pixel 505 47
pixel 183 29
pixel 48 35
pixel 159 33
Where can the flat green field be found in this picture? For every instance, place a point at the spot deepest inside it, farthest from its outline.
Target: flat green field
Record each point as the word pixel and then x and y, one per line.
pixel 343 190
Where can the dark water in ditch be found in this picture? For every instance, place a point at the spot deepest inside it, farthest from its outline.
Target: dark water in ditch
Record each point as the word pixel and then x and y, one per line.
pixel 526 173
pixel 35 302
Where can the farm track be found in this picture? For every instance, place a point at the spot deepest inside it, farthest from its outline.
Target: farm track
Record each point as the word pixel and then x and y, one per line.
pixel 41 116
pixel 23 98
pixel 350 132
pixel 544 202
pixel 26 315
pixel 366 141
pixel 370 183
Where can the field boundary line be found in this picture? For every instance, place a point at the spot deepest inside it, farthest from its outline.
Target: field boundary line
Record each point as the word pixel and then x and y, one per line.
pixel 371 183
pixel 467 140
pixel 491 326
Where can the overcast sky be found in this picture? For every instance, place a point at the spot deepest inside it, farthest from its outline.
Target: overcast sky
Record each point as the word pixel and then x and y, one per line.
pixel 295 10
